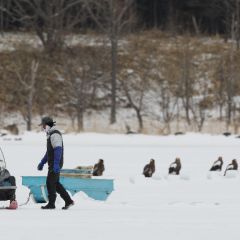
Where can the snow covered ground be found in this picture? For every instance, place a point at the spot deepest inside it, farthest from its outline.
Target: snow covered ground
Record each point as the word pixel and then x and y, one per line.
pixel 195 205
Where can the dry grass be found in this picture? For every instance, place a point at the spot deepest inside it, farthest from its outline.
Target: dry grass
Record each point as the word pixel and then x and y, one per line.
pixel 144 52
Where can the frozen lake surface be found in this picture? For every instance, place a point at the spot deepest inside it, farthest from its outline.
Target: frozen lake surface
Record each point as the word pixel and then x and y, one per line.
pixel 195 205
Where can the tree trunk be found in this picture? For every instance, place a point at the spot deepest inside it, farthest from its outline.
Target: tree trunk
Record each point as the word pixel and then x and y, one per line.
pixel 237 24
pixel 155 13
pixel 29 125
pixel 229 112
pixel 140 120
pixel 187 85
pixel 171 18
pixel 1 19
pixel 29 116
pixel 114 47
pixel 220 112
pixel 34 69
pixel 80 119
pixel 80 110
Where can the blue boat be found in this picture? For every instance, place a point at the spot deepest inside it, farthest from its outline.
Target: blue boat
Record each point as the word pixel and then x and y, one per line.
pixel 98 189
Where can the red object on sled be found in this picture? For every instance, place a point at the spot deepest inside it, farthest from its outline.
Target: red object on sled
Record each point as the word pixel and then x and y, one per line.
pixel 13 205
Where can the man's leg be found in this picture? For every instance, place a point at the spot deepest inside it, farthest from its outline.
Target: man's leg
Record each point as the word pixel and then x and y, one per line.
pixel 63 193
pixel 52 179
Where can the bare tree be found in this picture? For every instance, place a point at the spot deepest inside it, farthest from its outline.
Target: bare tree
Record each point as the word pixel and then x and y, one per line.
pixel 230 88
pixel 166 86
pixel 5 6
pixel 200 106
pixel 186 78
pixel 219 86
pixel 231 17
pixel 27 80
pixel 28 84
pixel 226 83
pixel 112 18
pixel 134 88
pixel 166 100
pixel 136 76
pixel 76 89
pixel 172 26
pixel 79 75
pixel 25 86
pixel 51 19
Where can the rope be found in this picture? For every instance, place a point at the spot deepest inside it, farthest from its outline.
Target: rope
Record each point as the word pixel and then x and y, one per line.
pixel 28 199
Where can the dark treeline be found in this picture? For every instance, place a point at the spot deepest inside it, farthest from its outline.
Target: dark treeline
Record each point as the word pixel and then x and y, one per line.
pixel 195 16
pixel 202 16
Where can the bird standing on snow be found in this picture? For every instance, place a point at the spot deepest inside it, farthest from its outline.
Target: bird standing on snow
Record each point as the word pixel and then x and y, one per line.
pixel 149 169
pixel 175 167
pixel 217 165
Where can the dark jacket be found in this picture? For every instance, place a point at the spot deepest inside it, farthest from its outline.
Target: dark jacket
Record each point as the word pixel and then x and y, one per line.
pixel 4 176
pixel 50 150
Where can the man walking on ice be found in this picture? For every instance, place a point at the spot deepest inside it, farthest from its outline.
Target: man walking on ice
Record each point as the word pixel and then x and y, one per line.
pixel 54 158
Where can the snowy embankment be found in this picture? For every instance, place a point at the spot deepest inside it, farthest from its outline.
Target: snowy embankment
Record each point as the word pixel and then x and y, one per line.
pixel 195 205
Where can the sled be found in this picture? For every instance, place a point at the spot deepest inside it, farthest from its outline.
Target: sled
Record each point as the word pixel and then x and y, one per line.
pixel 79 172
pixel 98 189
pixel 7 185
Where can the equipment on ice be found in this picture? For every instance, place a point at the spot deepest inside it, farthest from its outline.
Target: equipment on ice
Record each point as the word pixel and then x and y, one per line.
pixel 7 184
pixel 74 180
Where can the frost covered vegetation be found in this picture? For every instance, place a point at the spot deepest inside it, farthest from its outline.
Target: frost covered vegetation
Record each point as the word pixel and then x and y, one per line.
pixel 164 83
pixel 90 66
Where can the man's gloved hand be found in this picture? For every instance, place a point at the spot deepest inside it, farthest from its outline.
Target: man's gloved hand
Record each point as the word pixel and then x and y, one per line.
pixel 43 161
pixel 56 168
pixel 40 166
